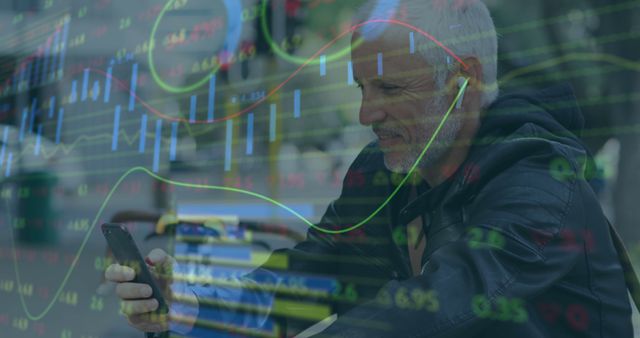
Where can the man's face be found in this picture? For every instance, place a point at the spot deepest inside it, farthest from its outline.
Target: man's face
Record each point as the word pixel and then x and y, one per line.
pixel 403 105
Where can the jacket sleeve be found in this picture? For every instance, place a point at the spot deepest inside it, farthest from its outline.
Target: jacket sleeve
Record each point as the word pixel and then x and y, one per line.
pixel 511 250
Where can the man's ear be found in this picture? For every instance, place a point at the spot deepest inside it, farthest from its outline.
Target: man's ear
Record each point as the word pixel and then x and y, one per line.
pixel 473 72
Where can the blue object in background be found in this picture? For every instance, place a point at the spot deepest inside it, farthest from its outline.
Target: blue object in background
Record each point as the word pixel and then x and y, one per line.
pixel 116 129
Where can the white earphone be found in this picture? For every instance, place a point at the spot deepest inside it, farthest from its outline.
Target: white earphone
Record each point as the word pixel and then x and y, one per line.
pixel 461 81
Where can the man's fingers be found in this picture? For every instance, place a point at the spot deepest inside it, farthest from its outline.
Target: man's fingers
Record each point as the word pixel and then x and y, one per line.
pixel 118 273
pixel 136 307
pixel 148 318
pixel 149 322
pixel 133 291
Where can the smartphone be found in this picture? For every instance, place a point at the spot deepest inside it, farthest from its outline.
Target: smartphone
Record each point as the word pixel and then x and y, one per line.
pixel 126 252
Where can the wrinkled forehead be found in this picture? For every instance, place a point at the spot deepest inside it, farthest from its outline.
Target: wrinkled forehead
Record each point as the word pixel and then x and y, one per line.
pixel 388 55
pixel 377 32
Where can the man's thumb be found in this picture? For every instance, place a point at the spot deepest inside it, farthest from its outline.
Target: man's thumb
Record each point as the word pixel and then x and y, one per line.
pixel 159 259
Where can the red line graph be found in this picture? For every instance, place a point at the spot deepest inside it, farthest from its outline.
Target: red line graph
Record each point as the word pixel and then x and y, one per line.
pixel 256 104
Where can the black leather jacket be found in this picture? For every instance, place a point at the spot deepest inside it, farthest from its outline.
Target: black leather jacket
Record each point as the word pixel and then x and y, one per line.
pixel 517 244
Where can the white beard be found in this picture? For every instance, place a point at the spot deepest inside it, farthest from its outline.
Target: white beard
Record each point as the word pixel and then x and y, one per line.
pixel 440 145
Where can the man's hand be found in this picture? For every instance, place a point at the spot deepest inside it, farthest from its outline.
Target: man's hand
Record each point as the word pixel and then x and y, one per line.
pixel 136 301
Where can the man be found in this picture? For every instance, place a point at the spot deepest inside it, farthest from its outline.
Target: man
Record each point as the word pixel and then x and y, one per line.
pixel 499 241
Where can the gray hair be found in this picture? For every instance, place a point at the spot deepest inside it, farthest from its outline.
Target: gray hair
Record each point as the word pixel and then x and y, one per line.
pixel 463 26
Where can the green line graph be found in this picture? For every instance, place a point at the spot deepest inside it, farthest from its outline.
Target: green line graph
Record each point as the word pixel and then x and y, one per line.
pixel 256 195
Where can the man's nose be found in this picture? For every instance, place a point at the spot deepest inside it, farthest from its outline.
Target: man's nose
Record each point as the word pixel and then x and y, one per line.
pixel 370 113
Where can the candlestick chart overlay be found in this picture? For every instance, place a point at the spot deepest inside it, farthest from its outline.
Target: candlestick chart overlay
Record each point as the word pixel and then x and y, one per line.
pixel 220 130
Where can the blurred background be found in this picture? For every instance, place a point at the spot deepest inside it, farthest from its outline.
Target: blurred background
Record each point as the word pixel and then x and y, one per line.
pixel 106 104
